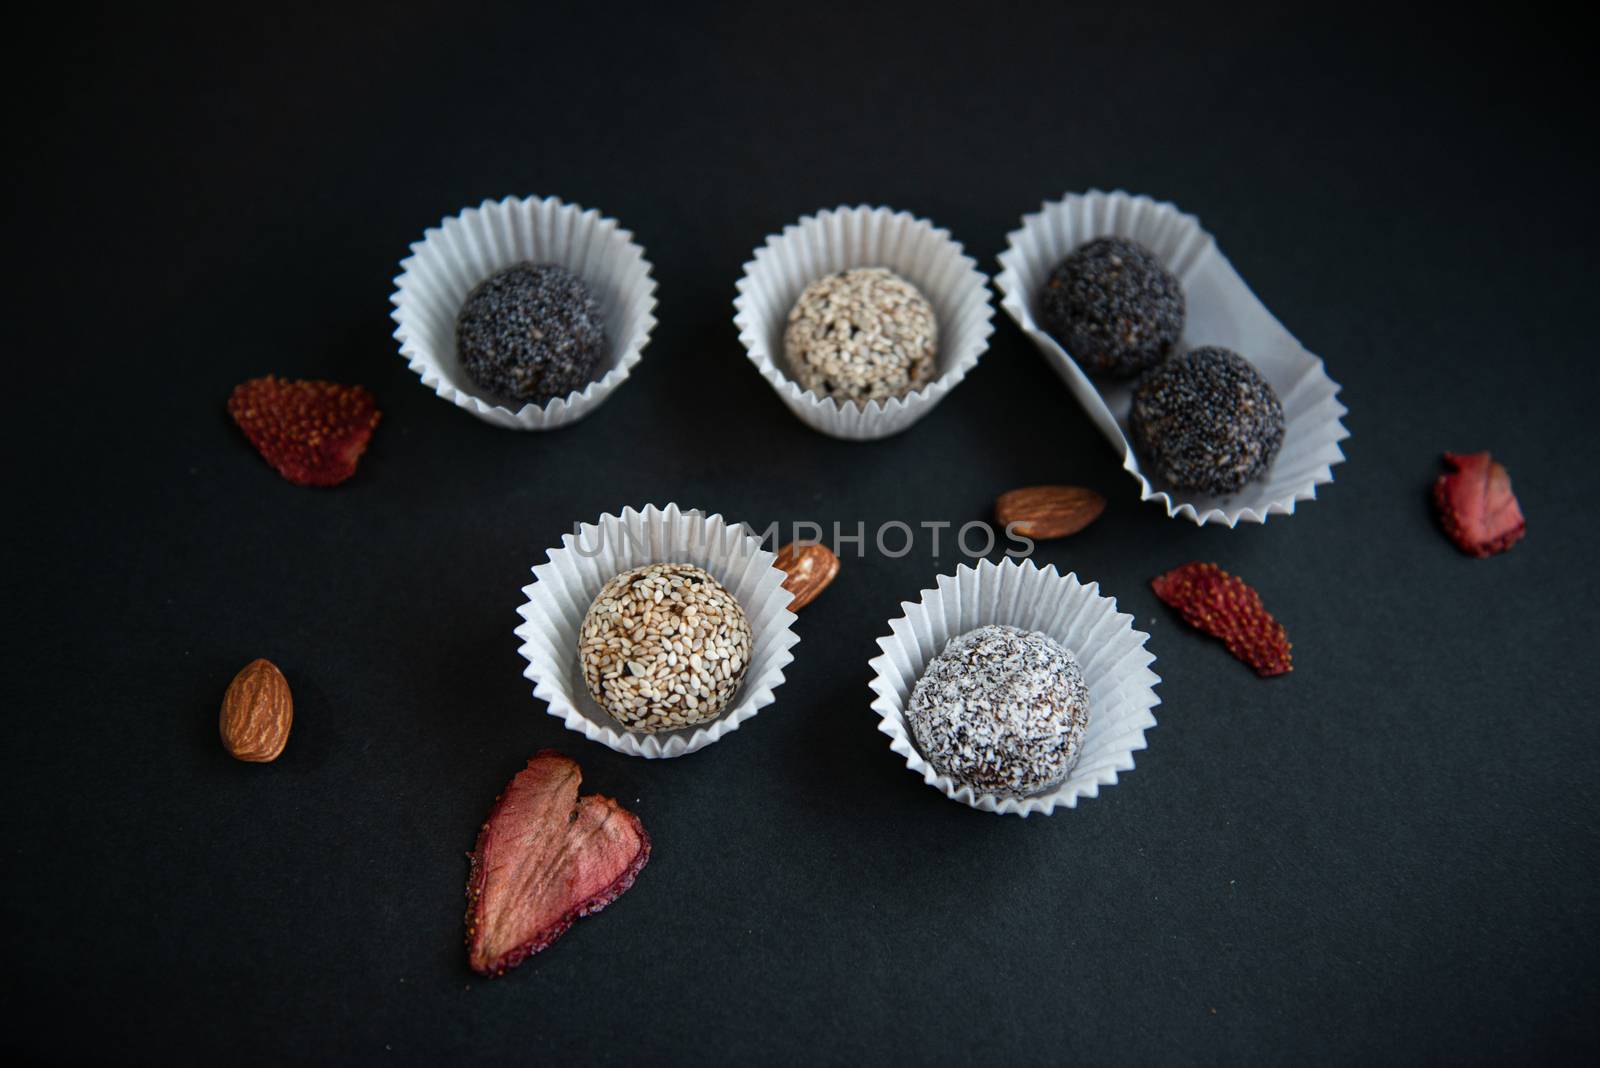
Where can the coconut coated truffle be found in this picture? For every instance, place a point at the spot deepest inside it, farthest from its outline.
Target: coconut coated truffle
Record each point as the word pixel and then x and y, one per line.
pixel 532 332
pixel 664 647
pixel 1206 421
pixel 1114 307
pixel 861 335
pixel 1001 710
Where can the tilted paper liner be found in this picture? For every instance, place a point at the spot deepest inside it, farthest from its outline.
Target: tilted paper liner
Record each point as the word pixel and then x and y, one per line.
pixel 567 584
pixel 465 249
pixel 1221 311
pixel 1110 653
pixel 838 240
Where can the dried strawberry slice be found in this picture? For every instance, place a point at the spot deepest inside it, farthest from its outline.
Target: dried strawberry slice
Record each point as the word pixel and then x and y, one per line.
pixel 1476 506
pixel 1225 607
pixel 312 432
pixel 544 858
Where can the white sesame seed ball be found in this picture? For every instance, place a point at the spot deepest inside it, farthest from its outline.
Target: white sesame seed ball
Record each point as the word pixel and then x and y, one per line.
pixel 861 335
pixel 1001 710
pixel 664 647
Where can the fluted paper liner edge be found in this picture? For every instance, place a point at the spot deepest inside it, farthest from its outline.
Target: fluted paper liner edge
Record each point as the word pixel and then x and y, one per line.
pixel 1111 654
pixel 468 247
pixel 1221 311
pixel 843 238
pixel 566 584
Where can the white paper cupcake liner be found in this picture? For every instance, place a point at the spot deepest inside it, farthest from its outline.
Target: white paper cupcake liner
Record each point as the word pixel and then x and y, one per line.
pixel 567 584
pixel 1111 654
pixel 465 249
pixel 1221 311
pixel 838 240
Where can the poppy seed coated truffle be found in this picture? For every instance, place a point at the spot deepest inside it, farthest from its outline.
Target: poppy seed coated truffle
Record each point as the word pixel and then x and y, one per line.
pixel 1113 306
pixel 532 332
pixel 1001 710
pixel 1207 421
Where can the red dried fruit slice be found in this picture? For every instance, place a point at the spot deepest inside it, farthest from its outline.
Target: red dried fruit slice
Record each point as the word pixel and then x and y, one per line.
pixel 1225 607
pixel 312 432
pixel 544 858
pixel 1476 506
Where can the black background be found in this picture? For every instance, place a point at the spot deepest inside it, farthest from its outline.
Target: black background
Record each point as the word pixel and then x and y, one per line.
pixel 1389 854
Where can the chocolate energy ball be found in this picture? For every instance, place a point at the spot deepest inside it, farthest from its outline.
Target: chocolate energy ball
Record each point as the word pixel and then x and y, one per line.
pixel 1114 307
pixel 1001 710
pixel 532 332
pixel 861 335
pixel 1206 421
pixel 664 647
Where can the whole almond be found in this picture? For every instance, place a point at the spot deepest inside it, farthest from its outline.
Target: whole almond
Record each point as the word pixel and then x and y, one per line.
pixel 810 567
pixel 257 712
pixel 1044 512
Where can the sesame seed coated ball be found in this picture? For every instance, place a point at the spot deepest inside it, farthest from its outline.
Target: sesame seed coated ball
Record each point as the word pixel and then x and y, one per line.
pixel 1207 421
pixel 532 332
pixel 664 647
pixel 1114 307
pixel 861 335
pixel 1001 710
